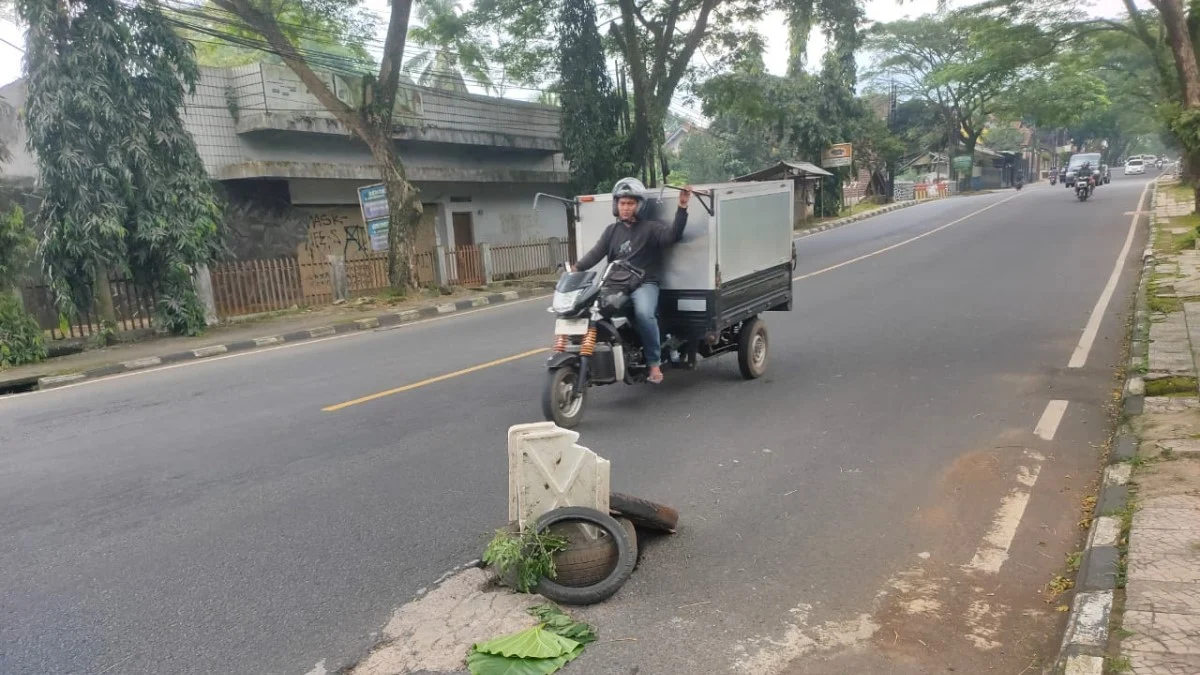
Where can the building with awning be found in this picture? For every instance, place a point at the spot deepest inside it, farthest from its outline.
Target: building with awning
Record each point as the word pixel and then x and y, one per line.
pixel 805 175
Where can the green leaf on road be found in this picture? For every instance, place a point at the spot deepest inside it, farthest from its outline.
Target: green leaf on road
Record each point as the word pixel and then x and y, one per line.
pixel 534 643
pixel 479 663
pixel 553 619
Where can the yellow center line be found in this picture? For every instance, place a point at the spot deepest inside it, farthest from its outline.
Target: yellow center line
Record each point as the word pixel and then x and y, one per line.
pixel 439 378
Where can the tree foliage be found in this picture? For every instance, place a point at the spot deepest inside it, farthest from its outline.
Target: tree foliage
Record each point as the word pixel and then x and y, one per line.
pixel 21 339
pixel 590 107
pixel 124 187
pixel 451 49
pixel 16 246
pixel 336 40
pixel 957 62
pixel 655 43
pixel 769 118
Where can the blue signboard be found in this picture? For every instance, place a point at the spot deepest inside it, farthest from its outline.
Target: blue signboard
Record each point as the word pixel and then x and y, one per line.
pixel 373 200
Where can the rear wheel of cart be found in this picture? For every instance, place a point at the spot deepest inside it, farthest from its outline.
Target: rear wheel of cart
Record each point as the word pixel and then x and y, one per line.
pixel 752 349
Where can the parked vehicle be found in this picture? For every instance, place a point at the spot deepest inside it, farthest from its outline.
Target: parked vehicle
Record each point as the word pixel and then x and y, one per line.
pixel 1135 166
pixel 1020 180
pixel 734 262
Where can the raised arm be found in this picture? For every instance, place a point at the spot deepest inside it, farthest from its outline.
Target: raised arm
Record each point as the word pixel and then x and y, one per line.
pixel 668 236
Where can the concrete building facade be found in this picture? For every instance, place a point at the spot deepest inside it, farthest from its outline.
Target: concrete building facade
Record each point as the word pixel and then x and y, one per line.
pixel 291 171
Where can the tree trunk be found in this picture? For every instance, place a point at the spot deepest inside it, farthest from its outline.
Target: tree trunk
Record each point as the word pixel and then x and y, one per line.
pixel 102 294
pixel 1181 48
pixel 404 214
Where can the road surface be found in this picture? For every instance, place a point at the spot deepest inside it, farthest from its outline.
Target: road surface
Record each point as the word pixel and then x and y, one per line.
pixel 882 488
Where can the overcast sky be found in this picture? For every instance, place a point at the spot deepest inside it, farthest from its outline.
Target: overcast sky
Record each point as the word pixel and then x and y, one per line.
pixel 773 27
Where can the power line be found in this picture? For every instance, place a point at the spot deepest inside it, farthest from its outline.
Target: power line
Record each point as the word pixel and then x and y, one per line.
pixel 12 45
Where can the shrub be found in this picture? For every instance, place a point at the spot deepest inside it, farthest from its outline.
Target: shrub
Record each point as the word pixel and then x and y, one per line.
pixel 20 336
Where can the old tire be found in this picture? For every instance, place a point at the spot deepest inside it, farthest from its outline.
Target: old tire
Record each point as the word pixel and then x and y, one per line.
pixel 589 561
pixel 644 513
pixel 752 349
pixel 555 405
pixel 616 577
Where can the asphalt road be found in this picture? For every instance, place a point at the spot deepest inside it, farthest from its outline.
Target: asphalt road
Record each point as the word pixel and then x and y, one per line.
pixel 213 518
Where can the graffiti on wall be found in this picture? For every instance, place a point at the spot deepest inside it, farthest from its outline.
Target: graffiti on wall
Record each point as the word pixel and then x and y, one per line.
pixel 330 230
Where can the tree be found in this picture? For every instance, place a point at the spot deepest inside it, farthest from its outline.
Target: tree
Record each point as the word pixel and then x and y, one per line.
pixel 372 123
pixel 124 188
pixel 338 41
pixel 968 65
pixel 1004 138
pixel 452 51
pixel 657 41
pixel 705 157
pixel 590 107
pixel 1181 29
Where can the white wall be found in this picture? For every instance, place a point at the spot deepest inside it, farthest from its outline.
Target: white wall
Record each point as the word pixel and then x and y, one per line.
pixel 500 213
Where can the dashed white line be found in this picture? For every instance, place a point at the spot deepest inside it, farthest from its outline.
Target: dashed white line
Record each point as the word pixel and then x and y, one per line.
pixel 1048 425
pixel 994 550
pixel 1080 356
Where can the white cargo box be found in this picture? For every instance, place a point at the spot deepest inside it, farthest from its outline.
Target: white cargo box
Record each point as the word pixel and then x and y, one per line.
pixel 749 231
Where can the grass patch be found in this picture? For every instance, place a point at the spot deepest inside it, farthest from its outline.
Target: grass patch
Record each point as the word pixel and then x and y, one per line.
pixel 1074 561
pixel 1118 664
pixel 1169 386
pixel 1181 193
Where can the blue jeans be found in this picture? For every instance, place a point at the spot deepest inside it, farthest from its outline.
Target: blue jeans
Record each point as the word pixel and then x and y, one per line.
pixel 645 309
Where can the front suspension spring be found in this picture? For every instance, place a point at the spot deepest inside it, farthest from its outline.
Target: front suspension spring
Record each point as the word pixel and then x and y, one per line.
pixel 589 343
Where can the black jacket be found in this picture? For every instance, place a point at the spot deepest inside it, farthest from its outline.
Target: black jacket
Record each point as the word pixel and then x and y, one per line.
pixel 640 244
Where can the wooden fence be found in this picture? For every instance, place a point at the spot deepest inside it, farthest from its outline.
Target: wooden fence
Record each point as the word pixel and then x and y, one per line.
pixel 513 261
pixel 253 286
pixel 256 286
pixel 464 266
pixel 132 305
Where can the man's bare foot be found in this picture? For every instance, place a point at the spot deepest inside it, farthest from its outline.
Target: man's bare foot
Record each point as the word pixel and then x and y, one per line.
pixel 656 375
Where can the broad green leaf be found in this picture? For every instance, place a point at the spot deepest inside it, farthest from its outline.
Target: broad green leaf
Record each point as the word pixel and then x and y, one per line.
pixel 534 643
pixel 554 620
pixel 479 663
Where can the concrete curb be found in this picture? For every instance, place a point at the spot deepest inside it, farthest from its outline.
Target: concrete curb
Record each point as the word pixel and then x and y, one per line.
pixel 841 222
pixel 370 323
pixel 1086 637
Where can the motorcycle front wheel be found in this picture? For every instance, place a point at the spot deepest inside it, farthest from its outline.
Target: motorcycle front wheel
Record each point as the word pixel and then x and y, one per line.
pixel 558 403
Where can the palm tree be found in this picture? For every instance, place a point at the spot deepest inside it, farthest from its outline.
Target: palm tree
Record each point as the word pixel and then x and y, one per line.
pixel 450 50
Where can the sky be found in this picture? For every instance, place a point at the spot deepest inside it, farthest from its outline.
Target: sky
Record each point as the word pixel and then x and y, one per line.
pixel 773 28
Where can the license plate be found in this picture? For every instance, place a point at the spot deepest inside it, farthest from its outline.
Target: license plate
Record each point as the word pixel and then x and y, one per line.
pixel 570 326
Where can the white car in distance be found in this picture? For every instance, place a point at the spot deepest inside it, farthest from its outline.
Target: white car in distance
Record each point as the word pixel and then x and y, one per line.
pixel 1135 166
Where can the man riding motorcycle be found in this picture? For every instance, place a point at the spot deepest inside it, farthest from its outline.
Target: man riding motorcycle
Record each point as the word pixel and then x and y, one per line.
pixel 641 243
pixel 1086 174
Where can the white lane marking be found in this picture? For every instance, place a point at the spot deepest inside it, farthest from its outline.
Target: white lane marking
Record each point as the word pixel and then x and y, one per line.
pixel 994 550
pixel 1080 357
pixel 255 352
pixel 1048 425
pixel 801 235
pixel 905 242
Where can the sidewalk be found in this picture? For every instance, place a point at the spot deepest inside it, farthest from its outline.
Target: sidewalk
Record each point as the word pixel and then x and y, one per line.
pixel 253 333
pixel 1147 535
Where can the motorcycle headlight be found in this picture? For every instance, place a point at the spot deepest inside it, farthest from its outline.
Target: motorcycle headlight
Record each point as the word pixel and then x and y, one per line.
pixel 565 301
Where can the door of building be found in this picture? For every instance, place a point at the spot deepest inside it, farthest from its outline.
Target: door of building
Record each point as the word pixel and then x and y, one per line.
pixel 469 266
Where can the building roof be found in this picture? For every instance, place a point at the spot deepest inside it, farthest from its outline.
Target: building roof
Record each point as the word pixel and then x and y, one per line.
pixel 786 169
